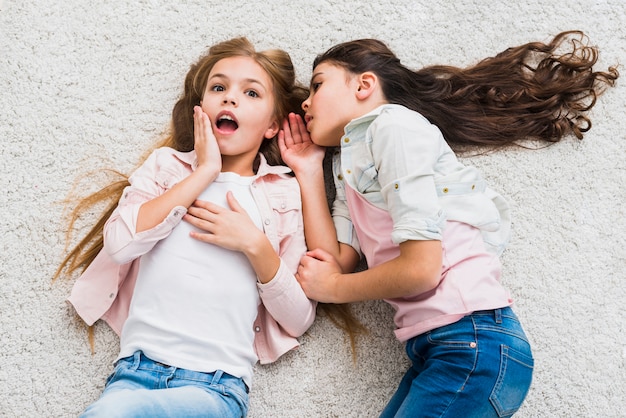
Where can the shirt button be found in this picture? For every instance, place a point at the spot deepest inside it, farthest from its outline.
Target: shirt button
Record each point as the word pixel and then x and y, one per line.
pixel 283 206
pixel 348 171
pixel 267 222
pixel 112 295
pixel 257 329
pixel 340 176
pixel 346 140
pixel 472 345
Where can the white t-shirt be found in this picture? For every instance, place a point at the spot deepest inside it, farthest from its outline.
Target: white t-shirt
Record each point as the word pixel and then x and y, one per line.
pixel 195 303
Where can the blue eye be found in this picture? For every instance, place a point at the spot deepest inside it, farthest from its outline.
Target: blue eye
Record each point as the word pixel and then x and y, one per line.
pixel 217 87
pixel 252 93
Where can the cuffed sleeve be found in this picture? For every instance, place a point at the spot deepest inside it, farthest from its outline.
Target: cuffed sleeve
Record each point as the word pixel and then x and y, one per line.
pixel 161 171
pixel 124 245
pixel 405 152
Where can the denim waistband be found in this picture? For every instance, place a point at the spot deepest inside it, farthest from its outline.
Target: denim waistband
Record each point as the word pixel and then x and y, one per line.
pixel 497 314
pixel 140 361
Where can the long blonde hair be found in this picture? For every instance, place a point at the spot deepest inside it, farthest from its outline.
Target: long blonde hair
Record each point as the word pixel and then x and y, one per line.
pixel 288 95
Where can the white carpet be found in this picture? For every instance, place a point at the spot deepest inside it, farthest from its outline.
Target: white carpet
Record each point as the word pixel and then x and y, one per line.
pixel 87 84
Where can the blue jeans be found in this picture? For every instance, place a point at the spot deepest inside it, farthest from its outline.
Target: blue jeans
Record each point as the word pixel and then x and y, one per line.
pixel 480 366
pixel 140 387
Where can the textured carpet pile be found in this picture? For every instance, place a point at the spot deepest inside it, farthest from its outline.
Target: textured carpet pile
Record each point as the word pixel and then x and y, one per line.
pixel 90 85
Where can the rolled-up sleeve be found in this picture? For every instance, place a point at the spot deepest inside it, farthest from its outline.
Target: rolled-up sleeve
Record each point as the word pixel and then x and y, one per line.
pixel 405 152
pixel 346 234
pixel 121 241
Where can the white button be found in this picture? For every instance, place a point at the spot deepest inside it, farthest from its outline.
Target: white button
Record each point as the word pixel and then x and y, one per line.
pixel 257 329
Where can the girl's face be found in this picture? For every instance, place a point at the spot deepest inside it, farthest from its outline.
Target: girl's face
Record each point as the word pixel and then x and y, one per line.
pixel 331 104
pixel 239 100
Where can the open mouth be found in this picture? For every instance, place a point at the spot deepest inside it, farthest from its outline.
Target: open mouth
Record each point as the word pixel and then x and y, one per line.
pixel 226 124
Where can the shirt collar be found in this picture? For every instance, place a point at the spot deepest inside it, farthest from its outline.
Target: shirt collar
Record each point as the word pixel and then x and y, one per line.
pixel 368 117
pixel 264 168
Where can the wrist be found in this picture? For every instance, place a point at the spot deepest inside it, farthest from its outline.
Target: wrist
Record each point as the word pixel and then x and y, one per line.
pixel 337 292
pixel 207 172
pixel 262 257
pixel 310 174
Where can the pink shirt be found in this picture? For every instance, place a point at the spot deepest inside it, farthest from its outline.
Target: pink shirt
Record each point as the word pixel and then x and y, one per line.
pixel 470 278
pixel 105 289
pixel 397 179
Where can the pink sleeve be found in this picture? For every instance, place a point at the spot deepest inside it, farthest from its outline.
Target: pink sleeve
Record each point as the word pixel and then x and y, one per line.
pixel 121 241
pixel 286 302
pixel 283 297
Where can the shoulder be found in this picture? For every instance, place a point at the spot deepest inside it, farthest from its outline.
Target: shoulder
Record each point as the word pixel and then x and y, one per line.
pixel 168 158
pixel 394 116
pixel 170 154
pixel 166 165
pixel 400 131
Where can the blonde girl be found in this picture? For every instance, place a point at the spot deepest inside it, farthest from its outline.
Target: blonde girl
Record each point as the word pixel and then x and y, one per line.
pixel 194 266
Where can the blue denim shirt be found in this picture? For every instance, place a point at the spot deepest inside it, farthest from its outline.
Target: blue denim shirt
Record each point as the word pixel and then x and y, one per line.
pixel 401 163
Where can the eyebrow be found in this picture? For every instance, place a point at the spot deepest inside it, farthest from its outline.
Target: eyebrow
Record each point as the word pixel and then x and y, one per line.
pixel 314 76
pixel 247 80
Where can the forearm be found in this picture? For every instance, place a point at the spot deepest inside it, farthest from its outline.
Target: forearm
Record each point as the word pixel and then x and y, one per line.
pixel 415 271
pixel 262 257
pixel 319 228
pixel 154 211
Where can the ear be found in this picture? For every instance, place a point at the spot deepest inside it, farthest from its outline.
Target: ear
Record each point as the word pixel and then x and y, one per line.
pixel 272 130
pixel 367 84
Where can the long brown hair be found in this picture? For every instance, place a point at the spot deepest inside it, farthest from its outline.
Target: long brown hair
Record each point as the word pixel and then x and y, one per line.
pixel 534 91
pixel 288 95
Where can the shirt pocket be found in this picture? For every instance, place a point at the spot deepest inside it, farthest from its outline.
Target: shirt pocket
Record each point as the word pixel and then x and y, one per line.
pixel 287 208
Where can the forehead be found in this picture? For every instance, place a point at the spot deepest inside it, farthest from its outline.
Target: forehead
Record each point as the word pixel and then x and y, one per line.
pixel 328 69
pixel 241 69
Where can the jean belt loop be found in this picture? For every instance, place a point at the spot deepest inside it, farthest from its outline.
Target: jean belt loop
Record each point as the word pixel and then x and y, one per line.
pixel 217 376
pixel 137 359
pixel 498 315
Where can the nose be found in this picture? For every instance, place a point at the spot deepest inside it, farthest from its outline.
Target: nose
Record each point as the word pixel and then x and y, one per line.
pixel 229 99
pixel 305 104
